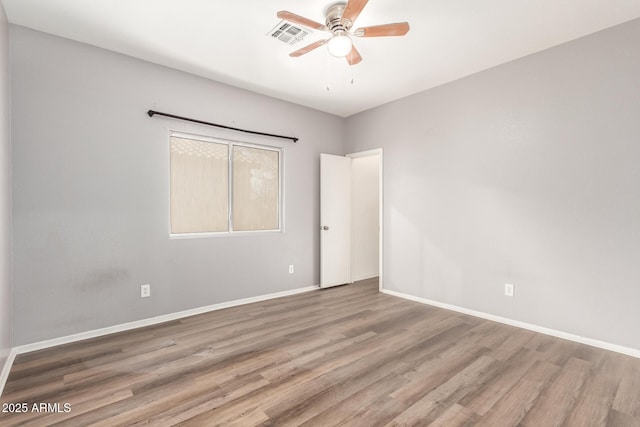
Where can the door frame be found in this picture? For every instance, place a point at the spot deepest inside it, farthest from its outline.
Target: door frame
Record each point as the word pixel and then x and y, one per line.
pixel 378 152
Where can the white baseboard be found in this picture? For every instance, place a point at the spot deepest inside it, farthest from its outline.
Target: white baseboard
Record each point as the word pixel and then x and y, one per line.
pixel 535 328
pixel 4 375
pixel 153 321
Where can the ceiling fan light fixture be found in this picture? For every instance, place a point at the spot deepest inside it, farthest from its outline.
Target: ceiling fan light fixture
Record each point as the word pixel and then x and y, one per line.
pixel 339 19
pixel 340 45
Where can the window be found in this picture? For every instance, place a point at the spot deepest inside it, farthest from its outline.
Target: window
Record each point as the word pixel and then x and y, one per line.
pixel 221 186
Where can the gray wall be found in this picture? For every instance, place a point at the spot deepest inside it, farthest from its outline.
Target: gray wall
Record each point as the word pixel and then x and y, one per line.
pixel 5 194
pixel 526 173
pixel 91 197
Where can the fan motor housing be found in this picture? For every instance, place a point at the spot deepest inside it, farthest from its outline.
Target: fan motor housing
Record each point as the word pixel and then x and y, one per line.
pixel 333 16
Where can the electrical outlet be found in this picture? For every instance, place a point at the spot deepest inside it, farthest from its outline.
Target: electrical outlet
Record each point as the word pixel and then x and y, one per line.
pixel 145 291
pixel 291 269
pixel 508 289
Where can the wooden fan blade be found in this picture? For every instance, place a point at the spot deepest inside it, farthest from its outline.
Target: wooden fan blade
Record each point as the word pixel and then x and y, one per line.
pixel 308 48
pixel 297 19
pixel 352 11
pixel 353 57
pixel 386 30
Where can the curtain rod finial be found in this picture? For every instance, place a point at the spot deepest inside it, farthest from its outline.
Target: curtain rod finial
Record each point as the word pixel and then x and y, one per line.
pixel 151 113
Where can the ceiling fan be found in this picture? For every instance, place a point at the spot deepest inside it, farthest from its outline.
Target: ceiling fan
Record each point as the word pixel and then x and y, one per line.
pixel 339 18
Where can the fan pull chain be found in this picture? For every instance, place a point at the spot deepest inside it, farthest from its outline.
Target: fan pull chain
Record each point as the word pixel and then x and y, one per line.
pixel 326 72
pixel 351 68
pixel 329 72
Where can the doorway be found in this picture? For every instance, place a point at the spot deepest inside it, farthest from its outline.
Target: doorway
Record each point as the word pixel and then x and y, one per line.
pixel 351 218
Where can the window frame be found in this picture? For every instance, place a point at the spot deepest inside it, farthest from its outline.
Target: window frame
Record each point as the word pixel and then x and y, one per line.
pixel 230 143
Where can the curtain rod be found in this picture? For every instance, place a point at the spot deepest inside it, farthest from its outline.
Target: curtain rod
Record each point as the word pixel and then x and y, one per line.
pixel 151 113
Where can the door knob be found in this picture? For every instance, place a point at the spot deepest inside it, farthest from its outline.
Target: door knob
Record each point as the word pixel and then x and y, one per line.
pixel 324 227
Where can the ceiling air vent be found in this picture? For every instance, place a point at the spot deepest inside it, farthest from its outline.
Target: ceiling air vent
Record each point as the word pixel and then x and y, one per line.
pixel 287 33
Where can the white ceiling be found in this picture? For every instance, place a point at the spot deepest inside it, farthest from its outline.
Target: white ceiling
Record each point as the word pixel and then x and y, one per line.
pixel 228 42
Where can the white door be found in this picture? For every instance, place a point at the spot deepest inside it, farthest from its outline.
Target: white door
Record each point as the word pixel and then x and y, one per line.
pixel 335 220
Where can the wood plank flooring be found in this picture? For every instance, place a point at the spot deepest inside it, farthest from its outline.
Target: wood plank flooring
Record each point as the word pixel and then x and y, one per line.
pixel 342 356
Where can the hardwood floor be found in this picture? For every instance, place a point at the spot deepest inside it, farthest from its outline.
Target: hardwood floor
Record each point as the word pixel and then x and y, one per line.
pixel 340 356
